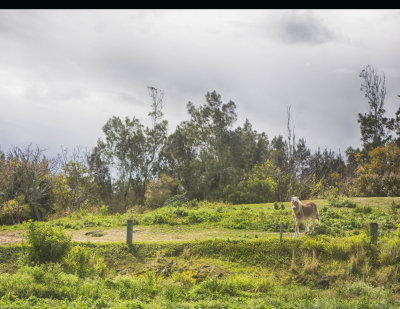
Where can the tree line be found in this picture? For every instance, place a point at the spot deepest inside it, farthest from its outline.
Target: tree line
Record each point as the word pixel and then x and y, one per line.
pixel 205 158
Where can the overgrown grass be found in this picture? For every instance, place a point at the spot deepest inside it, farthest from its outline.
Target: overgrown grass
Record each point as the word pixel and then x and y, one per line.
pixel 339 216
pixel 338 267
pixel 331 272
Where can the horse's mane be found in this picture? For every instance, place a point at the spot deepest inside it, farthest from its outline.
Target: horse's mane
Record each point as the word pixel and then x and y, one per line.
pixel 296 199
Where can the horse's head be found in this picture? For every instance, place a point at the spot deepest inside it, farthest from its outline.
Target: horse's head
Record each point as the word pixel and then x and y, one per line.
pixel 295 203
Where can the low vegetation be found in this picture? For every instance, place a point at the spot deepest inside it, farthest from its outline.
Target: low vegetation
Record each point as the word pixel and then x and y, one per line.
pixel 335 268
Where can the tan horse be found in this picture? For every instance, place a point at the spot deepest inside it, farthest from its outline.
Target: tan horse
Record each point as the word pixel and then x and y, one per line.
pixel 303 212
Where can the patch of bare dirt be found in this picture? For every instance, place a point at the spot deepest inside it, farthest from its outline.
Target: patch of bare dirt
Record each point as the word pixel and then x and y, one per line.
pixel 10 237
pixel 140 233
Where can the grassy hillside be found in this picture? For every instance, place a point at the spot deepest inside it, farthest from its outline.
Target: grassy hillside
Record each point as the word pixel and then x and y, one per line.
pixel 241 265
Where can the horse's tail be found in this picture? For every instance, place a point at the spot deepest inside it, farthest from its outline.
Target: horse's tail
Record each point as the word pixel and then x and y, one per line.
pixel 317 214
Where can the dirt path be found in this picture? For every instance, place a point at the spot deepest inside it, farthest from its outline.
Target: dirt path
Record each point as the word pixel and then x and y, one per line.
pixel 10 237
pixel 143 233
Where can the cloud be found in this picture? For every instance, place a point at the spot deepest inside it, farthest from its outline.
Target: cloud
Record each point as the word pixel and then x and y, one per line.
pixel 64 73
pixel 302 27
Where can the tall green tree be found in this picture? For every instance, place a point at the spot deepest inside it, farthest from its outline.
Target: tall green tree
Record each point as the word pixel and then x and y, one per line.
pixel 396 126
pixel 180 159
pixel 100 170
pixel 279 160
pixel 133 151
pixel 209 132
pixel 124 149
pixel 258 186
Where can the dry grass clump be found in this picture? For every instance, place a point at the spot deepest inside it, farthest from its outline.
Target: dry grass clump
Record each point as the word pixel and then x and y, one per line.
pixel 310 267
pixel 358 263
pixel 159 257
pixel 293 266
pixel 186 253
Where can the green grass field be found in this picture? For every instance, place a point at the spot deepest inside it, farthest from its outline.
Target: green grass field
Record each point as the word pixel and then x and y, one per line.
pixel 213 255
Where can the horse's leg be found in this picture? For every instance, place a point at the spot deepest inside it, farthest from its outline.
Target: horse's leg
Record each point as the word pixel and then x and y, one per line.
pixel 295 228
pixel 313 224
pixel 307 229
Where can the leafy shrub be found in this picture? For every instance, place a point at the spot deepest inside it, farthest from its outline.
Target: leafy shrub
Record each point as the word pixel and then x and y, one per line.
pixel 203 216
pixel 83 262
pixel 390 252
pixel 180 212
pixel 173 292
pixel 45 243
pixel 258 186
pixel 104 210
pixel 216 287
pixel 324 229
pixel 363 209
pixel 44 281
pixel 155 218
pixel 361 288
pixel 14 211
pixel 375 185
pixel 177 200
pixel 192 204
pixel 340 201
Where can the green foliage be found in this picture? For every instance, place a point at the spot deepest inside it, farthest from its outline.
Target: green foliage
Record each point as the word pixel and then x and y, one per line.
pixel 258 186
pixel 241 274
pixel 45 243
pixel 177 200
pixel 363 209
pixel 14 211
pixel 340 201
pixel 104 210
pixel 390 252
pixel 83 262
pixel 375 185
pixel 215 287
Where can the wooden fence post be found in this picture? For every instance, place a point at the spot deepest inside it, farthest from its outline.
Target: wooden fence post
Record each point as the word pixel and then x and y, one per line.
pixel 280 233
pixel 373 229
pixel 129 232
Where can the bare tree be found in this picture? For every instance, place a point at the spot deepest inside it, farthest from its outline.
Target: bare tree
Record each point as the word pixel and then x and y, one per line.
pixel 156 114
pixel 31 171
pixel 156 134
pixel 291 155
pixel 374 125
pixel 76 176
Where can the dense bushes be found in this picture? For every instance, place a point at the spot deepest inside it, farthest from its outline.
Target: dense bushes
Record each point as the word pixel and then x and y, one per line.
pixel 340 201
pixel 45 243
pixel 375 185
pixel 355 270
pixel 257 187
pixel 83 262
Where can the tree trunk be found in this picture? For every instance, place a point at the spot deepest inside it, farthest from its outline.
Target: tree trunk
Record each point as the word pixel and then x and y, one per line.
pixel 36 210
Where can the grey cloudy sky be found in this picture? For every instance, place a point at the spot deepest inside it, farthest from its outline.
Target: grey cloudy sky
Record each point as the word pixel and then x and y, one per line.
pixel 64 73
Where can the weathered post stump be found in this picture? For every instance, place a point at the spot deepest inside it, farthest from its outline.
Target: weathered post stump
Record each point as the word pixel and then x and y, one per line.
pixel 129 232
pixel 373 229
